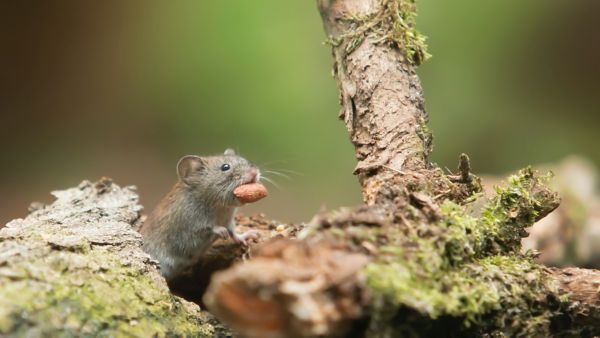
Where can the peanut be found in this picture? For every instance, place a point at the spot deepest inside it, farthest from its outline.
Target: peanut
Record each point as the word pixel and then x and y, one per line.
pixel 249 193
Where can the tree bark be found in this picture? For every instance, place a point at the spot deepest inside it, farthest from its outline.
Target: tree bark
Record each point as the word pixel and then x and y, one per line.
pixel 381 96
pixel 76 268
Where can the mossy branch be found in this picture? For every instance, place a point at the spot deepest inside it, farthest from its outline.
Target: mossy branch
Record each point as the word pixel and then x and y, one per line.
pixel 467 266
pixel 75 268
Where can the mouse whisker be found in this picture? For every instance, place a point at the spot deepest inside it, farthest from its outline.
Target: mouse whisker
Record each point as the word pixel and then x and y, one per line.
pixel 278 174
pixel 286 171
pixel 270 181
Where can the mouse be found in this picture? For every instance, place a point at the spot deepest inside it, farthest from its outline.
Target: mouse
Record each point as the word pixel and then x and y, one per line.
pixel 199 209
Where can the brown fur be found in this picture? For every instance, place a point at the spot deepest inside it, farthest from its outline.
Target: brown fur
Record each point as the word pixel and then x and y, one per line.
pixel 199 208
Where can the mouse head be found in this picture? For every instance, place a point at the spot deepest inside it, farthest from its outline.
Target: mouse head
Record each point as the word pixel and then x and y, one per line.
pixel 215 177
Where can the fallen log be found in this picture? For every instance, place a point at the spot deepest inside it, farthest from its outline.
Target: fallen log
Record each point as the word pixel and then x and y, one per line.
pixel 76 268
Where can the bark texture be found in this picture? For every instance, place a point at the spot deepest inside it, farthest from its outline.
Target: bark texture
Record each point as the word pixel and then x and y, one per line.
pixel 381 96
pixel 75 268
pixel 583 287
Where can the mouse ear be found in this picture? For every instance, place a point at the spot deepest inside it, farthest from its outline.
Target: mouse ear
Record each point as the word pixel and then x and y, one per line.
pixel 188 166
pixel 229 151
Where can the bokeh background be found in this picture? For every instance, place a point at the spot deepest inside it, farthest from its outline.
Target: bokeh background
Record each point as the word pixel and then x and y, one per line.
pixel 124 88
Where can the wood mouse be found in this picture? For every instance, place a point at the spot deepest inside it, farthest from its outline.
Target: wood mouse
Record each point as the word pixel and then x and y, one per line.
pixel 199 208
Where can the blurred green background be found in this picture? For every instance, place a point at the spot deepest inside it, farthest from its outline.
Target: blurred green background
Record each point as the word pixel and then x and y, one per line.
pixel 123 89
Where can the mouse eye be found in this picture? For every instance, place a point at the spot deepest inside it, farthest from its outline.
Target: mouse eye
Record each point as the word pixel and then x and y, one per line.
pixel 225 167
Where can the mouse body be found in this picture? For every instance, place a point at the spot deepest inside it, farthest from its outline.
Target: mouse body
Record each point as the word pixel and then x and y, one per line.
pixel 198 209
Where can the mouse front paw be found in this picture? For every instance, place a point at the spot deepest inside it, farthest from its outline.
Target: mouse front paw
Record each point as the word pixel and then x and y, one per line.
pixel 243 238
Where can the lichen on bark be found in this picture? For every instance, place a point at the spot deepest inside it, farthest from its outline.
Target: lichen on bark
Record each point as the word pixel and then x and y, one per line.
pixel 75 268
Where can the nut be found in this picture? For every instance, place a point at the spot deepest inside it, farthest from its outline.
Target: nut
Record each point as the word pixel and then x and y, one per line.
pixel 249 193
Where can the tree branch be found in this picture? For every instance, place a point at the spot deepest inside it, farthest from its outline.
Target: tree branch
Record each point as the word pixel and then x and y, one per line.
pixel 381 95
pixel 428 255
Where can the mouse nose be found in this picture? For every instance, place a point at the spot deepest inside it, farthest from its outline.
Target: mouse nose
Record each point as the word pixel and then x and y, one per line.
pixel 254 175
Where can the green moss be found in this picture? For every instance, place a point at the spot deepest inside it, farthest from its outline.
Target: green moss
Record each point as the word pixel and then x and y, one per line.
pixel 466 270
pixel 501 223
pixel 67 294
pixel 425 135
pixel 394 23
